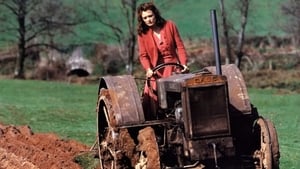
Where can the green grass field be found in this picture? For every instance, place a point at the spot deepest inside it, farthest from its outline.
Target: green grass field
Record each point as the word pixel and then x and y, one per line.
pixel 69 111
pixel 283 110
pixel 62 108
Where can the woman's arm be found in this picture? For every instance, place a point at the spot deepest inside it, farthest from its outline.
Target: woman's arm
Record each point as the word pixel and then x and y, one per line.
pixel 143 56
pixel 179 45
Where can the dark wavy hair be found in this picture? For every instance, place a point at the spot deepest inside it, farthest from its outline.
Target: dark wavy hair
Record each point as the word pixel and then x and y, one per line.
pixel 141 26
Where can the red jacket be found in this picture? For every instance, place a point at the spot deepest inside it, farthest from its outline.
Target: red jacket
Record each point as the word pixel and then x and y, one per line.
pixel 148 52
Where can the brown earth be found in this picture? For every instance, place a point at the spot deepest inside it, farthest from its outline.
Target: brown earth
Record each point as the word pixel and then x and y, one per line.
pixel 21 148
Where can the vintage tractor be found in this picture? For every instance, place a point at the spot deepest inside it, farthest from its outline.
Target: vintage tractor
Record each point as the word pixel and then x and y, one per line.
pixel 205 120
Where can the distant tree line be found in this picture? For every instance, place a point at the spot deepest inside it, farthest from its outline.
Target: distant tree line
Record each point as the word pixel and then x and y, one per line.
pixel 35 25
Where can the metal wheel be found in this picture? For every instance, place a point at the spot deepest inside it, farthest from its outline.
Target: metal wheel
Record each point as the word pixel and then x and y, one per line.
pixel 263 155
pixel 149 156
pixel 114 144
pixel 274 145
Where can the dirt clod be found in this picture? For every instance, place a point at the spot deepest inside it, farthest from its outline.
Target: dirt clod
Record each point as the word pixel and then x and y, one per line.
pixel 21 148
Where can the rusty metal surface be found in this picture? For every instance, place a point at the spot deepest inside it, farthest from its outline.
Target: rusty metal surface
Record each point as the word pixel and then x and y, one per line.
pixel 206 107
pixel 173 83
pixel 238 94
pixel 125 99
pixel 205 80
pixel 170 84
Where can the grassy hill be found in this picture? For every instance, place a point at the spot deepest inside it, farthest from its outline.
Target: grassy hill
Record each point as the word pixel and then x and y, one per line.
pixel 192 17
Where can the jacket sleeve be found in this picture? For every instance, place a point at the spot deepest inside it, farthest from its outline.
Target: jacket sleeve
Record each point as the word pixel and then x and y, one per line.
pixel 143 55
pixel 182 56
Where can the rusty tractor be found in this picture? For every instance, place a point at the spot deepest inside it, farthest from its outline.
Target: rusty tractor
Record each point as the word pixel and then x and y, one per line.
pixel 204 120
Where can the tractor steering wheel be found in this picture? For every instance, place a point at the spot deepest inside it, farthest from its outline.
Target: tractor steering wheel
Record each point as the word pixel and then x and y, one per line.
pixel 160 66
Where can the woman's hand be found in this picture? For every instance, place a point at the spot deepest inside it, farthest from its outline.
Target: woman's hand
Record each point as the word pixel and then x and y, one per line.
pixel 149 73
pixel 185 69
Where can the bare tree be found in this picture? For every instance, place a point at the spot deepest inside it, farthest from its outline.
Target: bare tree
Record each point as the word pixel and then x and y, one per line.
pixel 118 24
pixel 229 58
pixel 32 24
pixel 243 7
pixel 129 10
pixel 291 9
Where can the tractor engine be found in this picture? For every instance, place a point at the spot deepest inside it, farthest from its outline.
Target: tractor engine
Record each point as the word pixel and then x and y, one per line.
pixel 199 104
pixel 203 119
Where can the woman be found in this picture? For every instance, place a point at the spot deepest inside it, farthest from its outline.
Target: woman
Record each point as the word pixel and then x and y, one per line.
pixel 158 42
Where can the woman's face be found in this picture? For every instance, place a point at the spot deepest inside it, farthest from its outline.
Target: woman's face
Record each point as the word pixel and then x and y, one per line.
pixel 148 17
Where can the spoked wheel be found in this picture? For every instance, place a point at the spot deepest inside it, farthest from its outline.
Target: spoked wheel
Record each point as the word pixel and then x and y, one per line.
pixel 115 146
pixel 267 156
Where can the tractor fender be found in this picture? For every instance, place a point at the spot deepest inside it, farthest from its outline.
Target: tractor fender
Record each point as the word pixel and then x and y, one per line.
pixel 126 101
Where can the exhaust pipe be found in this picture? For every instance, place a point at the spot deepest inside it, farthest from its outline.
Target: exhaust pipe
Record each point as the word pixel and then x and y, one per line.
pixel 213 19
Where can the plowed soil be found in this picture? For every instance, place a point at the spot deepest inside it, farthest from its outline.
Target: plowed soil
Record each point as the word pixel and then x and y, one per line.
pixel 20 148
